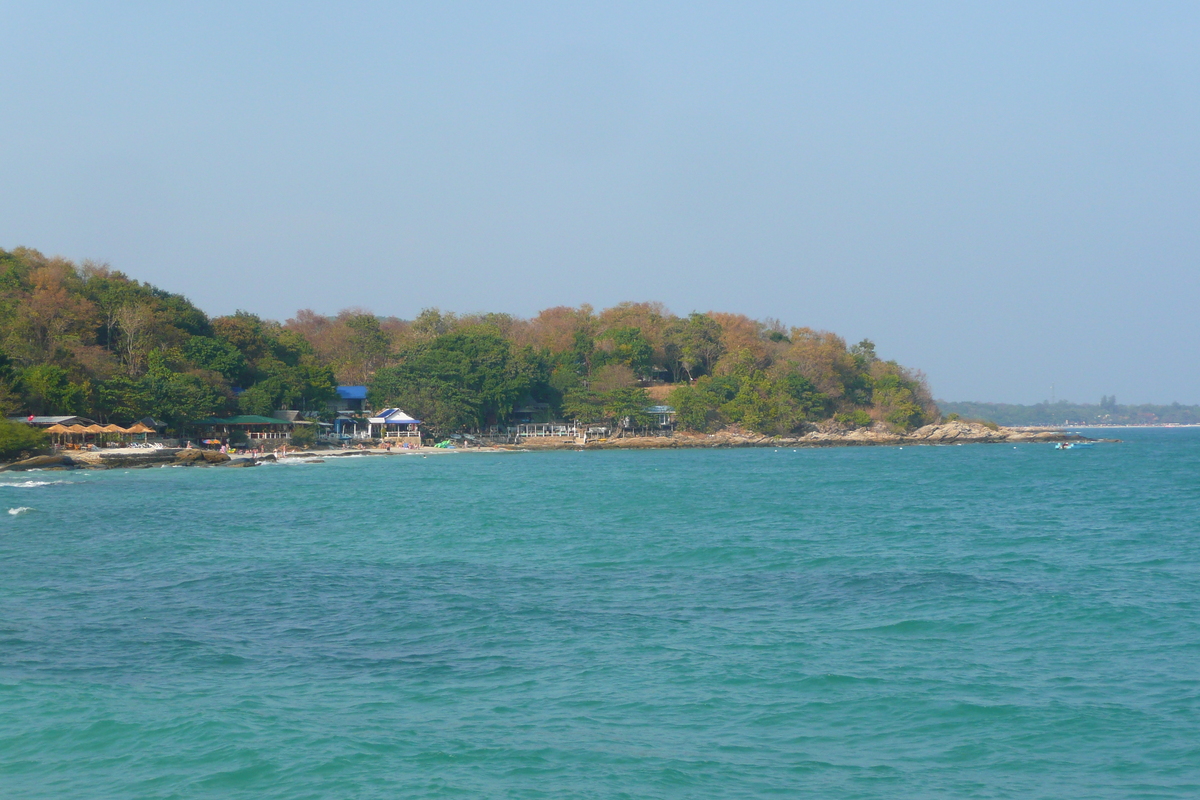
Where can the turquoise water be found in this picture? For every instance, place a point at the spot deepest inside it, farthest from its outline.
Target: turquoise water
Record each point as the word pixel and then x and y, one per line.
pixel 979 621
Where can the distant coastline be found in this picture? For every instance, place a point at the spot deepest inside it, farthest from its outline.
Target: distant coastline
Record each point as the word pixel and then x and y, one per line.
pixel 1065 414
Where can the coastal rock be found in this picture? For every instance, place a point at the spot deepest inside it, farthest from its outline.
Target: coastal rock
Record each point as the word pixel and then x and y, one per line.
pixel 826 434
pixel 125 460
pixel 40 462
pixel 241 462
pixel 193 457
pixel 957 431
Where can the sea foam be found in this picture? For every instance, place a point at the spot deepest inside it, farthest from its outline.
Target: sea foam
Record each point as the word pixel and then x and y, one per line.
pixel 33 484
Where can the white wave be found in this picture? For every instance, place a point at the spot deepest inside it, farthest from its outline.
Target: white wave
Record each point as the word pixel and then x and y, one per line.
pixel 20 510
pixel 32 484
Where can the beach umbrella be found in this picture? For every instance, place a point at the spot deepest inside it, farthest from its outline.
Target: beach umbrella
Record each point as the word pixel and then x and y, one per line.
pixel 93 429
pixel 138 427
pixel 114 428
pixel 58 430
pixel 76 429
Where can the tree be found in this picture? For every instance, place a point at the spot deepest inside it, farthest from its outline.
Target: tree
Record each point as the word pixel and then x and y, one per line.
pixel 304 435
pixel 49 390
pixel 627 405
pixel 10 398
pixel 693 345
pixel 258 400
pixel 218 355
pixel 693 411
pixel 468 378
pixel 135 322
pixel 583 405
pixel 16 438
pixel 369 342
pixel 897 402
pixel 627 346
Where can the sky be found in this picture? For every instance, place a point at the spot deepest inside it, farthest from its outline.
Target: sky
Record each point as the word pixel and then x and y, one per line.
pixel 1005 196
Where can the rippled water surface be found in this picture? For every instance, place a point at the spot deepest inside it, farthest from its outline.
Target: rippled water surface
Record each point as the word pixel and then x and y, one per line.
pixel 980 621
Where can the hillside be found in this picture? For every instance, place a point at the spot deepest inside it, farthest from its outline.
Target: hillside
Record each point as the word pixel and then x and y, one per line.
pixel 86 339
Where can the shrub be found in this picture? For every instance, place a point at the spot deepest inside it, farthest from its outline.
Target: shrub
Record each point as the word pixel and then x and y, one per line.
pixel 853 419
pixel 304 436
pixel 16 437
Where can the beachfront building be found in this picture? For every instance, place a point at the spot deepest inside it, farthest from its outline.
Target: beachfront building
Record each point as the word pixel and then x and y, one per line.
pixel 395 426
pixel 258 430
pixel 664 416
pixel 350 400
pixel 531 412
pixel 348 426
pixel 46 422
pixel 539 430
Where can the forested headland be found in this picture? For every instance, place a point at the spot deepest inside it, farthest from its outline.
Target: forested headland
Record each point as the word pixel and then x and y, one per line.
pixel 86 339
pixel 1064 412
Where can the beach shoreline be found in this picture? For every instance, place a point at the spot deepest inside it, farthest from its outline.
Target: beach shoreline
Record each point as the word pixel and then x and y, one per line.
pixel 949 433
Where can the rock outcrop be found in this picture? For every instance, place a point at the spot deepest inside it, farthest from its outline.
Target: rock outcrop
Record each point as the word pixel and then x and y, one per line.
pixel 40 462
pixel 826 434
pixel 193 457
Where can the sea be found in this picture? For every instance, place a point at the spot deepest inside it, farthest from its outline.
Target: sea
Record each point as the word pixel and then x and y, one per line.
pixel 980 621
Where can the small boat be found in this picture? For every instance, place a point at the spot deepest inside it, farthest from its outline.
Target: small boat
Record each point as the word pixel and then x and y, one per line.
pixel 1073 445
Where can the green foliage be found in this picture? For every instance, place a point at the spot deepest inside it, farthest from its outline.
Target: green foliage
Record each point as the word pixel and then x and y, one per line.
pixel 163 393
pixel 464 379
pixel 693 345
pixel 17 437
pixel 896 397
pixel 693 409
pixel 772 404
pixel 48 390
pixel 218 355
pixel 584 405
pixel 88 340
pixel 853 419
pixel 620 407
pixel 627 406
pixel 628 347
pixel 368 341
pixel 259 399
pixel 304 436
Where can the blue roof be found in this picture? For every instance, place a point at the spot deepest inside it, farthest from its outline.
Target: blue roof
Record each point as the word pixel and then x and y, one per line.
pixel 352 392
pixel 660 410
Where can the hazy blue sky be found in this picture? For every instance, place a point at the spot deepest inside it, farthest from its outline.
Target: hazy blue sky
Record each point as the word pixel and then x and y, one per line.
pixel 1007 197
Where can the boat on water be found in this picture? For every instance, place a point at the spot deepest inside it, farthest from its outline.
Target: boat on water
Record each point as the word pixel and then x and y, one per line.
pixel 1073 445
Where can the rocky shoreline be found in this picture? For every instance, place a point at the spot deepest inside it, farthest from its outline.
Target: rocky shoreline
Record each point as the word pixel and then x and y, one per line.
pixel 946 433
pixel 956 432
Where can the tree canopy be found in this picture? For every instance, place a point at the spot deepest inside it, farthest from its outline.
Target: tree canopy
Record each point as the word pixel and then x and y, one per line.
pixel 86 339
